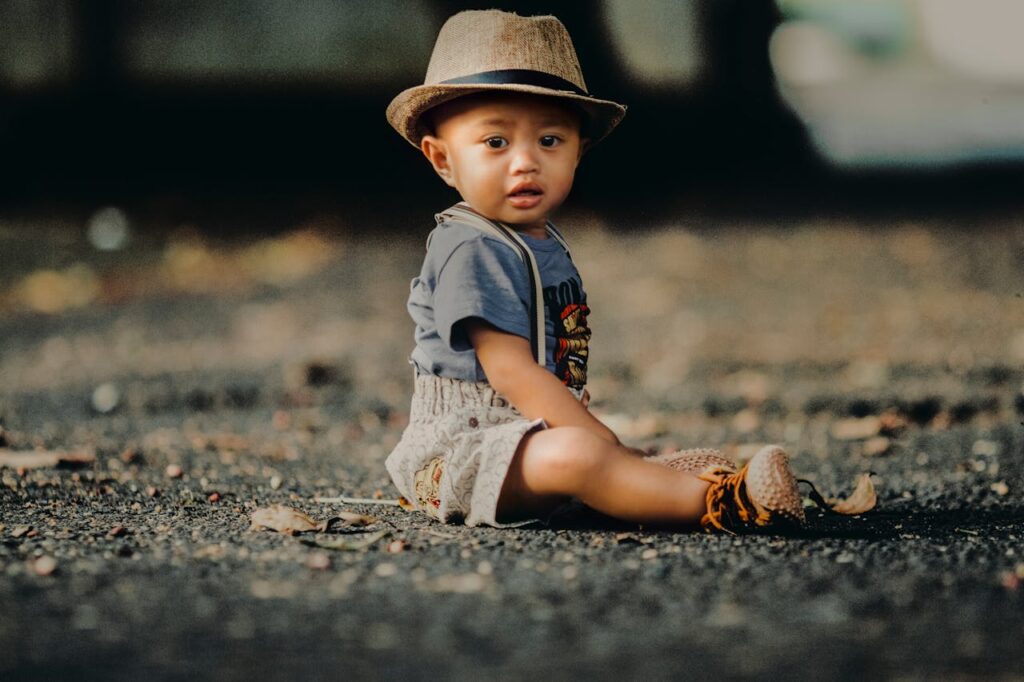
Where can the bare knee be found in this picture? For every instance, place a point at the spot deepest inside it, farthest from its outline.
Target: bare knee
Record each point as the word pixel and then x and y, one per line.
pixel 561 459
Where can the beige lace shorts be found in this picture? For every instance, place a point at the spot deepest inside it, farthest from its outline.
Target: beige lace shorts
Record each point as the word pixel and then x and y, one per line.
pixel 455 453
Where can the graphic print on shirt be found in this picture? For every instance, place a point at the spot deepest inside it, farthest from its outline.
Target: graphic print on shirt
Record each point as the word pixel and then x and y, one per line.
pixel 565 305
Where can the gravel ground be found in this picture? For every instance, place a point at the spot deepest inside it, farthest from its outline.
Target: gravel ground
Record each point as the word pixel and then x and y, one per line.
pixel 199 380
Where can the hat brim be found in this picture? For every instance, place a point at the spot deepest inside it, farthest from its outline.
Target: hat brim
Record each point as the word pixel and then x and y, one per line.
pixel 406 109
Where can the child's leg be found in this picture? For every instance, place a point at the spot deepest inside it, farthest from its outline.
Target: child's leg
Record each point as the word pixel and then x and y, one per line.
pixel 551 464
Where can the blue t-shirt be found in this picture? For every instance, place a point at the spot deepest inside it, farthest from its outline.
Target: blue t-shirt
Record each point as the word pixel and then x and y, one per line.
pixel 468 273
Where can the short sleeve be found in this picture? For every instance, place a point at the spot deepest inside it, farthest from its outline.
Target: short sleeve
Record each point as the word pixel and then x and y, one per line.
pixel 481 278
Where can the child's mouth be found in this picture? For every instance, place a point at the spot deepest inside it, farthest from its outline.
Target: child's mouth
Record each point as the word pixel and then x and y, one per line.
pixel 525 195
pixel 525 199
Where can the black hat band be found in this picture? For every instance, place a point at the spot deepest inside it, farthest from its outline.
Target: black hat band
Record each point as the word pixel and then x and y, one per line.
pixel 517 77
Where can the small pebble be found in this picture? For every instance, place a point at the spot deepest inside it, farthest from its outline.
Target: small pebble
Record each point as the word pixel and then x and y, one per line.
pixel 385 570
pixel 214 497
pixel 318 561
pixel 985 448
pixel 173 471
pixel 746 421
pixel 281 420
pixel 1000 488
pixel 877 446
pixel 44 565
pixel 105 398
pixel 856 429
pixel 109 229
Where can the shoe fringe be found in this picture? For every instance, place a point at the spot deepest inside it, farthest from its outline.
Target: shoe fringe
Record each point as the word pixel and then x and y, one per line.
pixel 727 496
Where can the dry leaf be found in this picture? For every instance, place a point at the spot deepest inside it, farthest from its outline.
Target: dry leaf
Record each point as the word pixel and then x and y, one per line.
pixel 891 422
pixel 35 459
pixel 863 498
pixel 285 520
pixel 343 543
pixel 353 519
pixel 341 499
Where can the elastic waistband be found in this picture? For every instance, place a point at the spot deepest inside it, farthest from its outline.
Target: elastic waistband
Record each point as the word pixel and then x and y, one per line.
pixel 434 396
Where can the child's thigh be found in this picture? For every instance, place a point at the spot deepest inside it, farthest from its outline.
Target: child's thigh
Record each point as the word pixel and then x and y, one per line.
pixel 549 467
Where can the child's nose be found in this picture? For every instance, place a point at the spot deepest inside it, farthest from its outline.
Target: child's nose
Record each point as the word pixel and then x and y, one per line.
pixel 524 159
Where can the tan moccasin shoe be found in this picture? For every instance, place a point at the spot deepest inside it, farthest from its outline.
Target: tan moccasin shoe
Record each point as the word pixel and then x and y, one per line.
pixel 695 460
pixel 762 493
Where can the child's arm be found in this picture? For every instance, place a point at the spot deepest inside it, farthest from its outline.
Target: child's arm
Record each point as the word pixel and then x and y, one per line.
pixel 508 362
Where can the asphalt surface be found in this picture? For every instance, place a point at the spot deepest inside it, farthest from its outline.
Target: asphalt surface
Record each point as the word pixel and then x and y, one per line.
pixel 203 379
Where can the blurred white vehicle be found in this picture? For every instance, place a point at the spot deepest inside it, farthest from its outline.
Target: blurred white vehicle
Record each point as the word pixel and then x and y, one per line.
pixel 904 82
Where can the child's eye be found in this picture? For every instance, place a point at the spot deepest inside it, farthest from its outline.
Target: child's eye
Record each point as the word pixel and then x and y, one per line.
pixel 549 140
pixel 495 142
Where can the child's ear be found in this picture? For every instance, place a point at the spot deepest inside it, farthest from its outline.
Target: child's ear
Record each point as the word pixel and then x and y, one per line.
pixel 584 146
pixel 436 151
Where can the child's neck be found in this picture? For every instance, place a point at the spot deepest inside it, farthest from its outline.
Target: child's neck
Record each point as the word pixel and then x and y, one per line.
pixel 536 230
pixel 532 230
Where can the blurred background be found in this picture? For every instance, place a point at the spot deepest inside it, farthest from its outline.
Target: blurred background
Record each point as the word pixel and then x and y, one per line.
pixel 734 105
pixel 134 135
pixel 807 230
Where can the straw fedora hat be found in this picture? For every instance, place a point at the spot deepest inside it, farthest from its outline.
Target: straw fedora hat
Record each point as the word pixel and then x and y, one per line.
pixel 485 50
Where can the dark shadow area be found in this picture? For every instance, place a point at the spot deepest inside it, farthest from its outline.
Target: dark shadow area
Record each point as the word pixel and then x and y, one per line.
pixel 881 525
pixel 933 524
pixel 725 146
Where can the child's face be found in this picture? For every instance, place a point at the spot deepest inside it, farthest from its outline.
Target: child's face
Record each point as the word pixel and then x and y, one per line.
pixel 493 147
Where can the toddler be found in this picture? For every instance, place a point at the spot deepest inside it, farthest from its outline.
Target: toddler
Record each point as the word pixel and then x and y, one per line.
pixel 499 430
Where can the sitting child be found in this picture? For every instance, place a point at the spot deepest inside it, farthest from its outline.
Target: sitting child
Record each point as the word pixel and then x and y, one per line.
pixel 499 429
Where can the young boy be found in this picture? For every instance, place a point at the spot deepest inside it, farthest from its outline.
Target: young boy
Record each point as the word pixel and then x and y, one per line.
pixel 499 428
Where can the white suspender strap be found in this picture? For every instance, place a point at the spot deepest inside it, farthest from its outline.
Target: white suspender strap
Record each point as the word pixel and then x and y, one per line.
pixel 553 231
pixel 538 299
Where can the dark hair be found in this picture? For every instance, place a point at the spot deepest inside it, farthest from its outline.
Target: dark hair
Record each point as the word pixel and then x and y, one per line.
pixel 429 118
